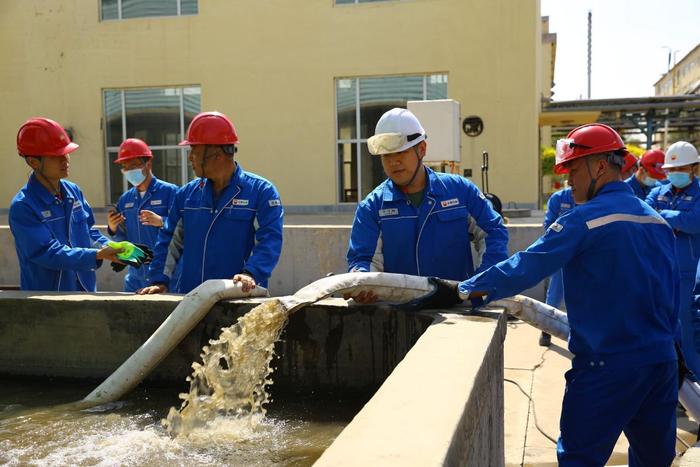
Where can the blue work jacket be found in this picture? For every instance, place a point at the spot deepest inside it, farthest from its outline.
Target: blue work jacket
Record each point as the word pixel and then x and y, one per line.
pixel 559 203
pixel 239 231
pixel 389 234
pixel 640 190
pixel 681 209
pixel 622 301
pixel 158 197
pixel 55 240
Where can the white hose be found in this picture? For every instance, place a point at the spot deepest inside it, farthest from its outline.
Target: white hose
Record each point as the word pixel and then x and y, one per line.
pixel 540 315
pixel 398 288
pixel 190 311
pixel 389 287
pixel 689 397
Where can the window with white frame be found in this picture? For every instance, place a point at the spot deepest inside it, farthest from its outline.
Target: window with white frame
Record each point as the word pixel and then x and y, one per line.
pixel 160 117
pixel 359 104
pixel 126 9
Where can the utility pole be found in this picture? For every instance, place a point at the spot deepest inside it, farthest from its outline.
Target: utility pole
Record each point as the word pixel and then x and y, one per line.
pixel 590 20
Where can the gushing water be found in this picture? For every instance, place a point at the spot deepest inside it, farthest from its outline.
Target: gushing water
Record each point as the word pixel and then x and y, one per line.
pixel 232 377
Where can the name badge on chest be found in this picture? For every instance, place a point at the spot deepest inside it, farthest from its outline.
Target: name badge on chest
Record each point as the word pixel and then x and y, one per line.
pixel 449 202
pixel 388 212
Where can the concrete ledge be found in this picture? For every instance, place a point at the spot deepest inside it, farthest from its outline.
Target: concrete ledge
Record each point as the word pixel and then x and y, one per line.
pixel 516 212
pixel 328 346
pixel 442 405
pixel 691 458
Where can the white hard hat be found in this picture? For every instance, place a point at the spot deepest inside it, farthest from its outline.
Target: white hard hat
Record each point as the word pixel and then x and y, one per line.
pixel 396 131
pixel 679 154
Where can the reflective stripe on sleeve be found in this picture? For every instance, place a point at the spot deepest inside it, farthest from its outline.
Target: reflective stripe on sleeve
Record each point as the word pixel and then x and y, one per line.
pixel 610 218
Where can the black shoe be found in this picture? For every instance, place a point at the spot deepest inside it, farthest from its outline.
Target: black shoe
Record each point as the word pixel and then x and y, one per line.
pixel 545 340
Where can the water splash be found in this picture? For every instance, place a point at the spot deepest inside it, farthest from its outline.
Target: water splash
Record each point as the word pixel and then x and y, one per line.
pixel 232 377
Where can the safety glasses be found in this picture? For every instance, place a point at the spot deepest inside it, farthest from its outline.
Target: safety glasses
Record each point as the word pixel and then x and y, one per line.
pixel 565 149
pixel 386 143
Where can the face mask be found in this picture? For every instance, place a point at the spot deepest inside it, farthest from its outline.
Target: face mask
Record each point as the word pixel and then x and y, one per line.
pixel 134 176
pixel 679 179
pixel 648 181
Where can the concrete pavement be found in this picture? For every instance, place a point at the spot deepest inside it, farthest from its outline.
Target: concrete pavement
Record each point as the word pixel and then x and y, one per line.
pixel 539 372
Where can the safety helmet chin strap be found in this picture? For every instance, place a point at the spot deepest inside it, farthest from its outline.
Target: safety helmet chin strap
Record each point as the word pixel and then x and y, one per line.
pixel 590 193
pixel 56 190
pixel 404 187
pixel 203 178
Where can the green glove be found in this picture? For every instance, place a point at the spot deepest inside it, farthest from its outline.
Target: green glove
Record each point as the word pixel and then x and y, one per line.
pixel 133 254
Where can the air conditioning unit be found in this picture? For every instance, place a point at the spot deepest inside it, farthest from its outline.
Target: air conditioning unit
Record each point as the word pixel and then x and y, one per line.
pixel 442 122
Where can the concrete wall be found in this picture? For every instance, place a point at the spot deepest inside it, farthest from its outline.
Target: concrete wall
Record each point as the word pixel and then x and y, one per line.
pixel 271 66
pixel 691 458
pixel 328 347
pixel 309 253
pixel 442 404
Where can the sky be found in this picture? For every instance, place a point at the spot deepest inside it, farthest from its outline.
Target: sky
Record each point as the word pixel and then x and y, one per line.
pixel 631 40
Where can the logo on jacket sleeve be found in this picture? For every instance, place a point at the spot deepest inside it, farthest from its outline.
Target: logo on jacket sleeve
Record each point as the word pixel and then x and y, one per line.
pixel 239 202
pixel 556 227
pixel 46 214
pixel 388 212
pixel 274 202
pixel 449 202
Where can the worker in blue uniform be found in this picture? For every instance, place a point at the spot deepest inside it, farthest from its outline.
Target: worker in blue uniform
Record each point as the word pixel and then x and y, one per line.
pixel 141 211
pixel 678 202
pixel 417 221
pixel 622 305
pixel 558 204
pixel 649 174
pixel 227 224
pixel 57 246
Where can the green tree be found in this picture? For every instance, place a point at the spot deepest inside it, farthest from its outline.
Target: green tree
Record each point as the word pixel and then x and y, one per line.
pixel 547 157
pixel 636 150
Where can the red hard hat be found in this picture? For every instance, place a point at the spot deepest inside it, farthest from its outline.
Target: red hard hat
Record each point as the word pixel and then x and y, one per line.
pixel 210 128
pixel 586 140
pixel 630 162
pixel 133 148
pixel 41 136
pixel 652 161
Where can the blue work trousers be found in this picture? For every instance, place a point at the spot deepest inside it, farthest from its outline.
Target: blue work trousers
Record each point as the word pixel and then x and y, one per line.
pixel 600 403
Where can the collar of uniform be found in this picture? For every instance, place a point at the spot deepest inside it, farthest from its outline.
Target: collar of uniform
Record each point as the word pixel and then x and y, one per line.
pixel 434 186
pixel 614 186
pixel 153 186
pixel 41 193
pixel 233 182
pixel 690 190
